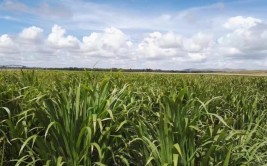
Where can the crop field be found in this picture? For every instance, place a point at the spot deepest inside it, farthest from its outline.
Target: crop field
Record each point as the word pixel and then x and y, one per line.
pixel 114 118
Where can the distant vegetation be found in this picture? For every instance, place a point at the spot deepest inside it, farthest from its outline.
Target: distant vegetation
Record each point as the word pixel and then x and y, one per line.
pixel 122 69
pixel 112 118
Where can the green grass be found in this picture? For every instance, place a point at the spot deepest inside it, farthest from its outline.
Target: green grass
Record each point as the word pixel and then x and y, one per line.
pixel 98 118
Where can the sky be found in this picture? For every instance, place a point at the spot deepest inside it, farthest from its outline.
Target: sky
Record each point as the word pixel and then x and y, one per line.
pixel 137 34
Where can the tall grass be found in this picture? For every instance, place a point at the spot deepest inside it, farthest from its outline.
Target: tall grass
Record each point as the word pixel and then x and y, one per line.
pixel 94 118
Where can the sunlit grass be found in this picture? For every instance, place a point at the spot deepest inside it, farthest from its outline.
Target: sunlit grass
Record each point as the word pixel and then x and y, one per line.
pixel 96 118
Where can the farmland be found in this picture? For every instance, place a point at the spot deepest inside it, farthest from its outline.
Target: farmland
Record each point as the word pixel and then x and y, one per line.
pixel 115 118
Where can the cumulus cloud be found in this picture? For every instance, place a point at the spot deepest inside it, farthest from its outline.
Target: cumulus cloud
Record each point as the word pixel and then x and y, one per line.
pixel 240 22
pixel 32 33
pixel 5 41
pixel 157 46
pixel 57 38
pixel 112 42
pixel 153 46
pixel 240 41
pixel 7 45
pixel 247 38
pixel 198 42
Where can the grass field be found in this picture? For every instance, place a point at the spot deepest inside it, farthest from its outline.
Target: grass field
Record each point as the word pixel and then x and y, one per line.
pixel 104 118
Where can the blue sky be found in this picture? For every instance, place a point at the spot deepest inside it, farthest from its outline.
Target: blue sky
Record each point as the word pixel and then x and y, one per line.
pixel 173 34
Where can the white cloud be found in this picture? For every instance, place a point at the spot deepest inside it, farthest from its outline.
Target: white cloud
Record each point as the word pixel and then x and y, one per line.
pixel 57 39
pixel 7 45
pixel 228 51
pixel 5 41
pixel 240 22
pixel 32 33
pixel 112 42
pixel 197 56
pixel 159 46
pixel 247 40
pixel 197 43
pixel 113 47
pixel 170 40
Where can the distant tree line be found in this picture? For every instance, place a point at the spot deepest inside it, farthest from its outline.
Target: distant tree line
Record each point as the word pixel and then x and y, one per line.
pixel 111 69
